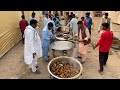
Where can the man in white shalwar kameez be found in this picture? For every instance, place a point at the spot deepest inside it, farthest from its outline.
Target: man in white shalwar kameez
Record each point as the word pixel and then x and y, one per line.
pixel 46 19
pixel 74 26
pixel 33 47
pixel 33 17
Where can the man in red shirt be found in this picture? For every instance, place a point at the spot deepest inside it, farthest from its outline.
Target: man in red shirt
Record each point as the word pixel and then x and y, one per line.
pixel 23 23
pixel 104 44
pixel 83 20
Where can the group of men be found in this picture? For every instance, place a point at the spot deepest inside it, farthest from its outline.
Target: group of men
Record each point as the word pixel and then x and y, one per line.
pixel 82 30
pixel 35 48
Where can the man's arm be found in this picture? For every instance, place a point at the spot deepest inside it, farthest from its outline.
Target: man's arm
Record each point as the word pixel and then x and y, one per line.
pixel 31 43
pixel 87 34
pixel 110 25
pixel 45 36
pixel 99 28
pixel 99 42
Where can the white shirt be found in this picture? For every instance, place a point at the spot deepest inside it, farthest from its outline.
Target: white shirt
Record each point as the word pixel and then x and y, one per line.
pixel 46 21
pixel 32 44
pixel 74 26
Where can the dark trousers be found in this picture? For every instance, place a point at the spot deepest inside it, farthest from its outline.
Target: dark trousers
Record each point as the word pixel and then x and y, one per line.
pixel 89 30
pixel 22 37
pixel 103 57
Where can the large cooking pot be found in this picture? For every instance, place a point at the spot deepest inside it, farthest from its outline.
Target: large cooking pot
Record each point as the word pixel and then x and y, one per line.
pixel 62 48
pixel 68 59
pixel 116 43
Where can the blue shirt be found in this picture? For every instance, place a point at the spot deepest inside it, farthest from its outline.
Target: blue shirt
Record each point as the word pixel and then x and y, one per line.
pixel 46 36
pixel 88 22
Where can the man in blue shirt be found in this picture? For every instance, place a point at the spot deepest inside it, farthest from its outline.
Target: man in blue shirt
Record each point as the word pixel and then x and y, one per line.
pixel 46 37
pixel 88 21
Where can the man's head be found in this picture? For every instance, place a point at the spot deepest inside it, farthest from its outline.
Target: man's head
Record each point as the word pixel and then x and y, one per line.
pixel 33 23
pixel 105 26
pixel 54 19
pixel 33 15
pixel 80 24
pixel 71 13
pixel 82 18
pixel 50 25
pixel 70 17
pixel 106 15
pixel 23 17
pixel 46 15
pixel 87 14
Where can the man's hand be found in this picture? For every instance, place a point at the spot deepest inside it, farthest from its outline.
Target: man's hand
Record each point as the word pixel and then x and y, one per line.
pixel 34 55
pixel 94 46
pixel 98 31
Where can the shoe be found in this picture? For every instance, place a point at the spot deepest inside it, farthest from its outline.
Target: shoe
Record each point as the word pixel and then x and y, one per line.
pixel 37 72
pixel 82 62
pixel 46 60
pixel 100 72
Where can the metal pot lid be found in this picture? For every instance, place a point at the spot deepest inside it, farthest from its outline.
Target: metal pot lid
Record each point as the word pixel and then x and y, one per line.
pixel 62 45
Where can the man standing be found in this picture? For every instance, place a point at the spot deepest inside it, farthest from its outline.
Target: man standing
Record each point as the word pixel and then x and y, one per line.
pixel 83 20
pixel 74 26
pixel 46 19
pixel 84 40
pixel 23 23
pixel 105 19
pixel 104 44
pixel 33 47
pixel 46 37
pixel 88 21
pixel 33 17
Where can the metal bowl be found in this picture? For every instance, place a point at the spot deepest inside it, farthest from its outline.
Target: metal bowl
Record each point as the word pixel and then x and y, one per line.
pixel 60 46
pixel 69 60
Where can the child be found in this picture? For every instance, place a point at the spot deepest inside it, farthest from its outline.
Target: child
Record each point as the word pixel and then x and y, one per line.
pixel 83 20
pixel 105 42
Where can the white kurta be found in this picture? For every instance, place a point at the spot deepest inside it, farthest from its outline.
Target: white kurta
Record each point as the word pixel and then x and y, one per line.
pixel 74 26
pixel 46 21
pixel 32 44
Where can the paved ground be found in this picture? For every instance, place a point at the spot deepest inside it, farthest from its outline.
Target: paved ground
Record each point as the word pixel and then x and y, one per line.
pixel 12 63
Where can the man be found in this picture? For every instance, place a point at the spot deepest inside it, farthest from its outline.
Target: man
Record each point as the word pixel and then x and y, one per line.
pixel 46 19
pixel 74 26
pixel 88 21
pixel 104 19
pixel 104 44
pixel 32 17
pixel 83 20
pixel 84 40
pixel 66 18
pixel 56 21
pixel 107 20
pixel 47 36
pixel 54 27
pixel 50 15
pixel 23 23
pixel 33 47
